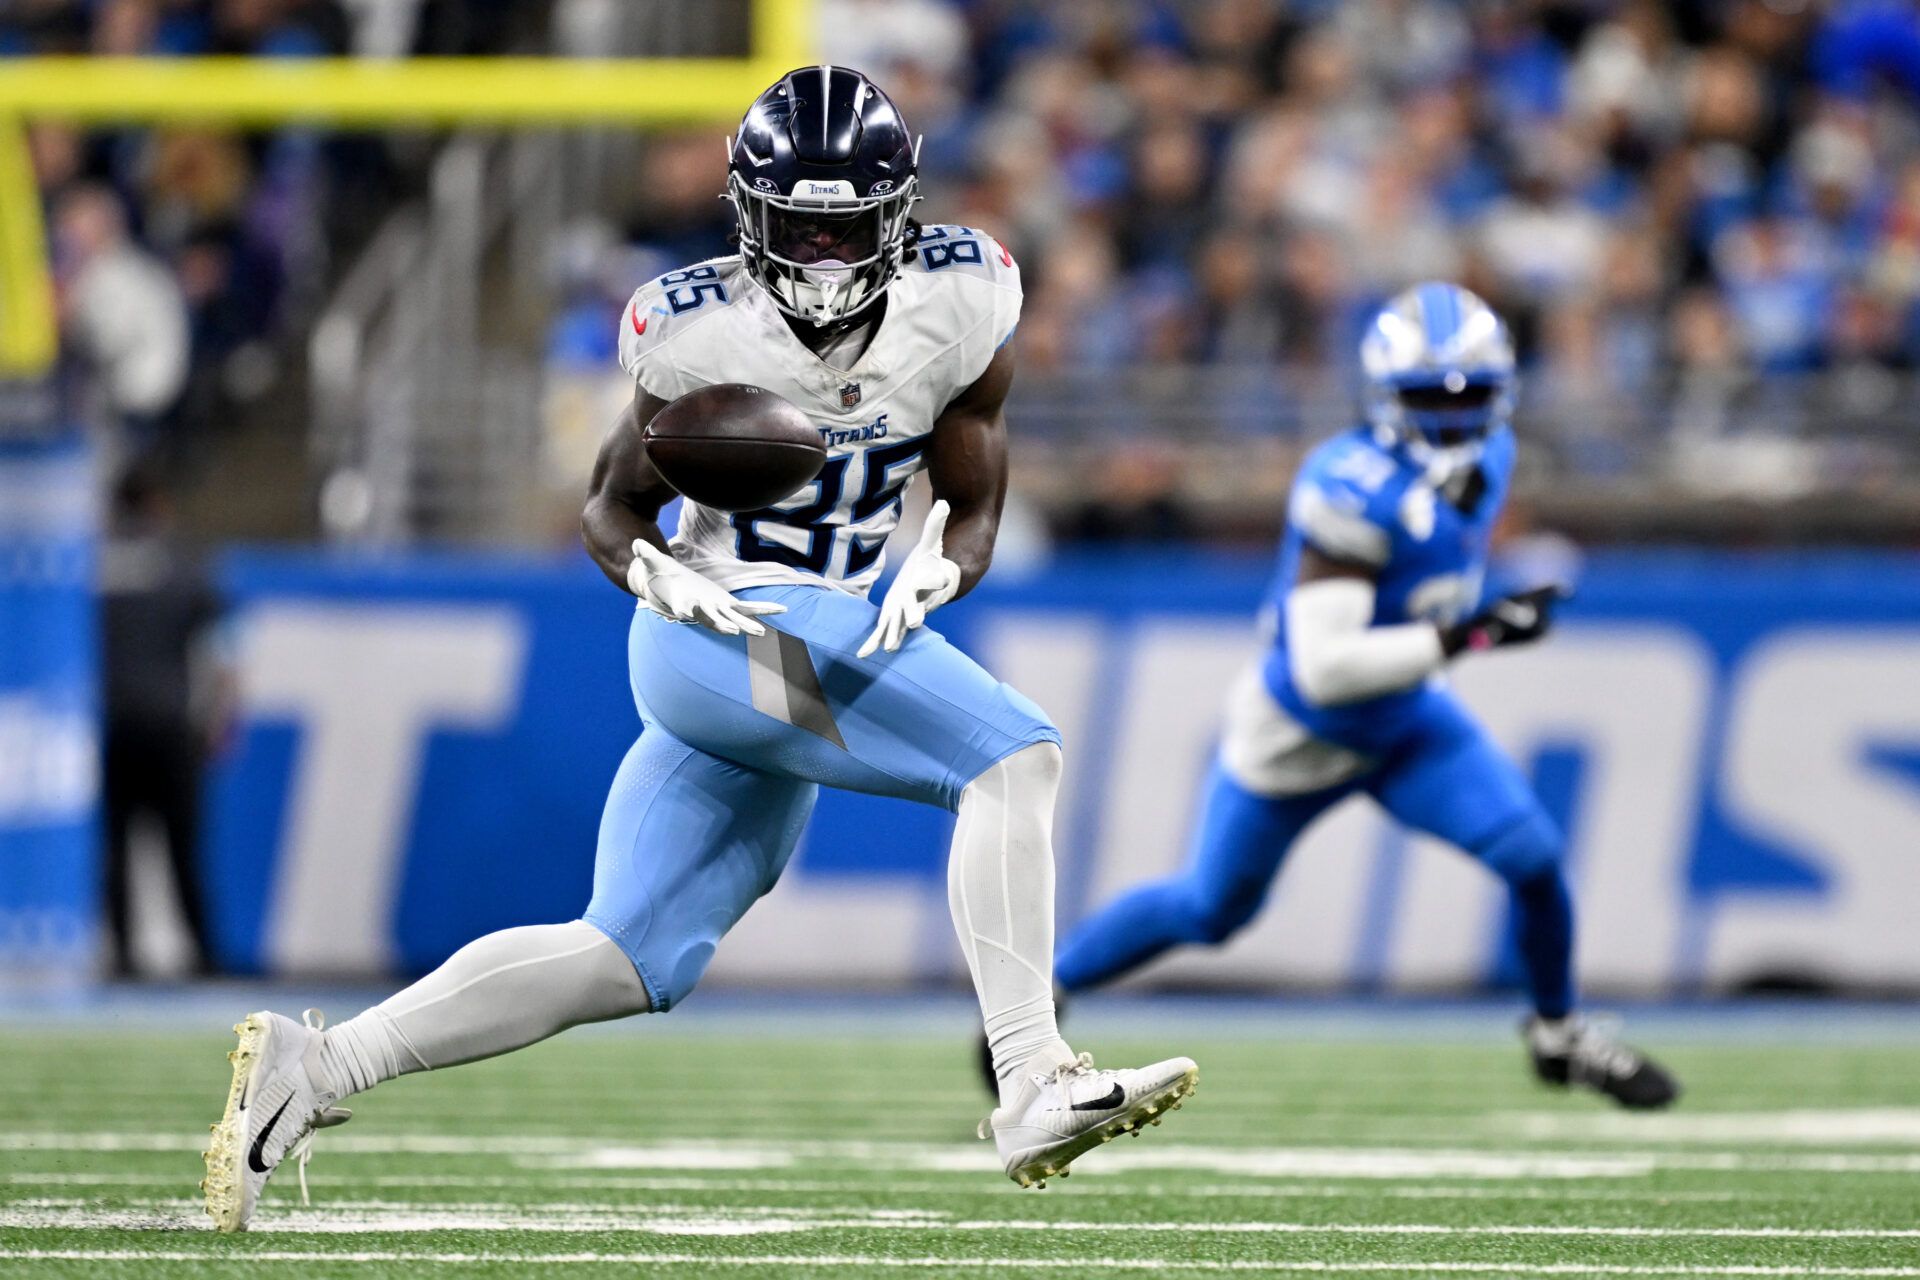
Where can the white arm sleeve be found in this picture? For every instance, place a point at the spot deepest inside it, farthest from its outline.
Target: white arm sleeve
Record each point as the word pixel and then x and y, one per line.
pixel 1337 657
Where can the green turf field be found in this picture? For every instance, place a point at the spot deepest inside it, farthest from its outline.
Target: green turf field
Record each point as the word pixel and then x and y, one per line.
pixel 716 1153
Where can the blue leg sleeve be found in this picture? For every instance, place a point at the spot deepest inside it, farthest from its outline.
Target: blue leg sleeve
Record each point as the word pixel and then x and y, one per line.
pixel 1453 781
pixel 1543 928
pixel 1237 850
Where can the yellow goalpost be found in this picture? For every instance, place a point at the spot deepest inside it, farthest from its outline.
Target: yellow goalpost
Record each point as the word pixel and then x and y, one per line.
pixel 27 329
pixel 345 92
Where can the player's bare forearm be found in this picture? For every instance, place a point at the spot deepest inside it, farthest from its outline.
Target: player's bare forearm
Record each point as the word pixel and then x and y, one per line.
pixel 971 532
pixel 967 466
pixel 625 496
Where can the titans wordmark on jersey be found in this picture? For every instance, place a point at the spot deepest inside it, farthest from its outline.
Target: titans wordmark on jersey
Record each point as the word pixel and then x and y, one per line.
pixel 948 311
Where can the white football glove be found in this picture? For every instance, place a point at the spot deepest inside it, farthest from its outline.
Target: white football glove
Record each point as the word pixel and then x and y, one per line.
pixel 678 594
pixel 925 582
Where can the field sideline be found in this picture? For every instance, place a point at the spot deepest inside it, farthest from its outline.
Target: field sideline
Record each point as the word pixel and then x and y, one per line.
pixel 1372 1140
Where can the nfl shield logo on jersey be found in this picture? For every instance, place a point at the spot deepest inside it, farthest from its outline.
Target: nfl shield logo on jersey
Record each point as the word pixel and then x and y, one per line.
pixel 849 395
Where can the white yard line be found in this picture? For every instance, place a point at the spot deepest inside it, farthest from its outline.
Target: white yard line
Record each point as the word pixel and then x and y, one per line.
pixel 1836 1126
pixel 1391 1163
pixel 544 1151
pixel 866 1186
pixel 1011 1265
pixel 1439 1229
pixel 1346 1190
pixel 1272 1162
pixel 359 1217
pixel 692 1153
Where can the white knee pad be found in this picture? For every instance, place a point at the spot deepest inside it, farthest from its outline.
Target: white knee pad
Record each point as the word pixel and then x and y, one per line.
pixel 1031 771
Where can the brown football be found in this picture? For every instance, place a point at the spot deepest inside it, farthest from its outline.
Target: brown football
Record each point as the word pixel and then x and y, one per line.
pixel 734 447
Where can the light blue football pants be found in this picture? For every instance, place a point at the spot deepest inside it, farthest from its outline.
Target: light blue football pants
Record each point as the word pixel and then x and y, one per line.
pixel 739 733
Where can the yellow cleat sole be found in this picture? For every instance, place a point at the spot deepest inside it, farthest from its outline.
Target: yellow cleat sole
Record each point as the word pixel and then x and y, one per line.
pixel 1148 1111
pixel 227 1147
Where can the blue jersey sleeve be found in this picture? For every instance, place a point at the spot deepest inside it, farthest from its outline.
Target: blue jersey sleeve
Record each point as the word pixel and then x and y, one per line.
pixel 1344 501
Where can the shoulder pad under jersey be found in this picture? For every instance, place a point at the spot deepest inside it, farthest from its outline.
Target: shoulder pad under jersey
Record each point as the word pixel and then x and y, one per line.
pixel 969 251
pixel 973 273
pixel 1346 500
pixel 663 309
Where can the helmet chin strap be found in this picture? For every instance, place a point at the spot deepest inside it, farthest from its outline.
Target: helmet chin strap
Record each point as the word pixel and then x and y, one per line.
pixel 829 284
pixel 1440 463
pixel 826 288
pixel 1443 463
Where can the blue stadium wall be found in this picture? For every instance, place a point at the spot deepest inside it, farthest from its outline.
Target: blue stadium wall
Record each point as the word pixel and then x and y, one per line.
pixel 1732 742
pixel 49 745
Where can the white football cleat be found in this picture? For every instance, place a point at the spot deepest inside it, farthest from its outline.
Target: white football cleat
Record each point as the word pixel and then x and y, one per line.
pixel 1068 1111
pixel 273 1107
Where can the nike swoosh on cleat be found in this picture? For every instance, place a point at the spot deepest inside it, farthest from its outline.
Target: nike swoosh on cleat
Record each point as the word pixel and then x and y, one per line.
pixel 1107 1103
pixel 260 1143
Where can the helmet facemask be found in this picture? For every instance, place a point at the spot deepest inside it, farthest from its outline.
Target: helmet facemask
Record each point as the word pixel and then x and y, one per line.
pixel 822 257
pixel 1443 424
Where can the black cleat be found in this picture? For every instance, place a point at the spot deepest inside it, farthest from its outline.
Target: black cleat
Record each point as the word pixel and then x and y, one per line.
pixel 1575 1051
pixel 983 1052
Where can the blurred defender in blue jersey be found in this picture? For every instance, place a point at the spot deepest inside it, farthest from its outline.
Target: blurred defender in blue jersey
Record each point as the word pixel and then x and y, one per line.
pixel 1379 588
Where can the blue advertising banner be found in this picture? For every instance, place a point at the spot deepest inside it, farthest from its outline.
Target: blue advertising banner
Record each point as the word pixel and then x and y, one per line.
pixel 49 773
pixel 1732 743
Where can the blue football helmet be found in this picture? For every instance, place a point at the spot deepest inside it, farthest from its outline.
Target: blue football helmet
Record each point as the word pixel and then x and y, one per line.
pixel 822 175
pixel 1440 375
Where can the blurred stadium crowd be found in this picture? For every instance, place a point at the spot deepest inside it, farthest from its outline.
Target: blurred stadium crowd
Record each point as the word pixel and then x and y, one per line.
pixel 1703 219
pixel 1706 208
pixel 1636 184
pixel 185 259
pixel 1643 187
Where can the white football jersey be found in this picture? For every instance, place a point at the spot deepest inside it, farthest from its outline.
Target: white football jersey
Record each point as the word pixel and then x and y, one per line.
pixel 948 312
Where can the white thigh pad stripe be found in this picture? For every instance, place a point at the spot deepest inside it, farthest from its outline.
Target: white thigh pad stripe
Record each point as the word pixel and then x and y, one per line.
pixel 783 684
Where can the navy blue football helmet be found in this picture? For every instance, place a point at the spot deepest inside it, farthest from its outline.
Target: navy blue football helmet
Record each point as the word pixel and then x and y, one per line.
pixel 822 175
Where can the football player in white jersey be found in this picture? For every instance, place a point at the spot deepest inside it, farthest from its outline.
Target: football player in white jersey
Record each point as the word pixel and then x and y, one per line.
pixel 761 670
